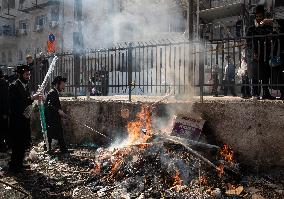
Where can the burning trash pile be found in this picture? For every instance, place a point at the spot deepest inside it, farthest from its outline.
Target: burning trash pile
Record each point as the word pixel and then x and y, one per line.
pixel 149 164
pixel 155 165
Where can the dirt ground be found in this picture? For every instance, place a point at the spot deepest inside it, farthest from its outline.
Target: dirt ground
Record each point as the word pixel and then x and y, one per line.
pixel 77 175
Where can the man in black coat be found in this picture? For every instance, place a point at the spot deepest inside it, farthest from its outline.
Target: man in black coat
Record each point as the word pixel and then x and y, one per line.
pixel 261 47
pixel 54 113
pixel 4 110
pixel 20 112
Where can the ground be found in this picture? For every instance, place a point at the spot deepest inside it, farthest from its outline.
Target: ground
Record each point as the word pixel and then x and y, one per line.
pixel 157 167
pixel 154 171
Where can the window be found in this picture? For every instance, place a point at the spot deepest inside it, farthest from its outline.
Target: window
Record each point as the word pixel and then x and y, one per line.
pixel 122 6
pixel 5 4
pixel 20 55
pixel 8 4
pixel 3 57
pixel 23 25
pixel 110 6
pixel 78 10
pixel 11 4
pixel 28 52
pixel 9 56
pixel 7 30
pixel 41 20
pixel 21 2
pixel 55 13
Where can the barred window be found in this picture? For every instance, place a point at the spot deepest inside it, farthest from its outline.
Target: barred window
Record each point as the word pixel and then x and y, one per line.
pixel 8 3
pixel 3 57
pixel 10 56
pixel 20 55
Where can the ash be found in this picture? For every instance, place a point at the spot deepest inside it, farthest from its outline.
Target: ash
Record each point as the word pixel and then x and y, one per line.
pixel 149 170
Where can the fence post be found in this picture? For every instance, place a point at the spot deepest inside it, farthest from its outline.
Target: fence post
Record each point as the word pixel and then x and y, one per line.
pixel 130 70
pixel 201 63
pixel 76 74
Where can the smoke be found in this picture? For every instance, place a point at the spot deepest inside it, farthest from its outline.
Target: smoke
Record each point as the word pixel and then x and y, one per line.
pixel 107 22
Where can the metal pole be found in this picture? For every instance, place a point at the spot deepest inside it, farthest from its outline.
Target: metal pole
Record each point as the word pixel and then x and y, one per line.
pixel 190 19
pixel 200 64
pixel 129 70
pixel 197 19
pixel 63 26
pixel 190 48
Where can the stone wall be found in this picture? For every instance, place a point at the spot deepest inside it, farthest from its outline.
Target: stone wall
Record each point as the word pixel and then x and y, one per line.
pixel 253 129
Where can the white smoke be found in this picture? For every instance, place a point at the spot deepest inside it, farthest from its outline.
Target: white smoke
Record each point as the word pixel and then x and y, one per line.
pixel 106 22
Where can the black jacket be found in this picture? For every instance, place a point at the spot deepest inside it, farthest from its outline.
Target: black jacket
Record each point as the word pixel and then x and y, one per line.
pixel 20 99
pixel 4 101
pixel 260 45
pixel 53 119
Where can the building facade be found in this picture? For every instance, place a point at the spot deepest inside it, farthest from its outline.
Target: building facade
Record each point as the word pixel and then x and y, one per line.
pixel 81 24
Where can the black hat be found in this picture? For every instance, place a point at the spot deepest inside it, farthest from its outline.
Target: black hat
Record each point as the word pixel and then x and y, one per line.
pixel 22 68
pixel 58 79
pixel 260 9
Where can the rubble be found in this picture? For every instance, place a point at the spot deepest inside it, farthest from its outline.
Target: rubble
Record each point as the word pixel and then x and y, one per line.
pixel 147 164
pixel 162 170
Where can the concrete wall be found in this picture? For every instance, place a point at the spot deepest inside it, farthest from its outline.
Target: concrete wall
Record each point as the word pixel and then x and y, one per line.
pixel 253 129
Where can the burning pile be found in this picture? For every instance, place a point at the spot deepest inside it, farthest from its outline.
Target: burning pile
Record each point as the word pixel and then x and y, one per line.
pixel 164 166
pixel 146 165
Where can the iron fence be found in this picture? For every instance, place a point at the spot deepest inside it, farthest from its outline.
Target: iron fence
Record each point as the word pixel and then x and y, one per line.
pixel 181 67
pixel 151 68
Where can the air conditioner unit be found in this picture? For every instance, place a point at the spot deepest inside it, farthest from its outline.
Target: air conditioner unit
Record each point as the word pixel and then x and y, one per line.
pixel 53 24
pixel 39 28
pixel 22 31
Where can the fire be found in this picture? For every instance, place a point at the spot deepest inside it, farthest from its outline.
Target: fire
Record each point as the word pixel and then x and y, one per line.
pixel 203 180
pixel 116 165
pixel 220 170
pixel 231 186
pixel 177 179
pixel 96 169
pixel 118 160
pixel 142 122
pixel 227 153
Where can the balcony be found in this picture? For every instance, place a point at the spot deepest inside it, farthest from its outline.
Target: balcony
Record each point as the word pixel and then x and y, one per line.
pixel 6 41
pixel 28 6
pixel 222 9
pixel 7 36
pixel 220 3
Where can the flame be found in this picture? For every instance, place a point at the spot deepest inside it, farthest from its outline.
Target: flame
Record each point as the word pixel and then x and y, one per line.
pixel 116 165
pixel 231 186
pixel 96 169
pixel 134 128
pixel 227 153
pixel 177 179
pixel 220 170
pixel 203 180
pixel 118 160
pixel 135 137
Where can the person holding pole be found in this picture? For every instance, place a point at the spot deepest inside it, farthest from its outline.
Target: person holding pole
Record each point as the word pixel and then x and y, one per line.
pixel 54 113
pixel 20 113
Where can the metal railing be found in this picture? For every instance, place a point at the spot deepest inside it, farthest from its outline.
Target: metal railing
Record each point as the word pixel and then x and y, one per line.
pixel 181 67
pixel 143 68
